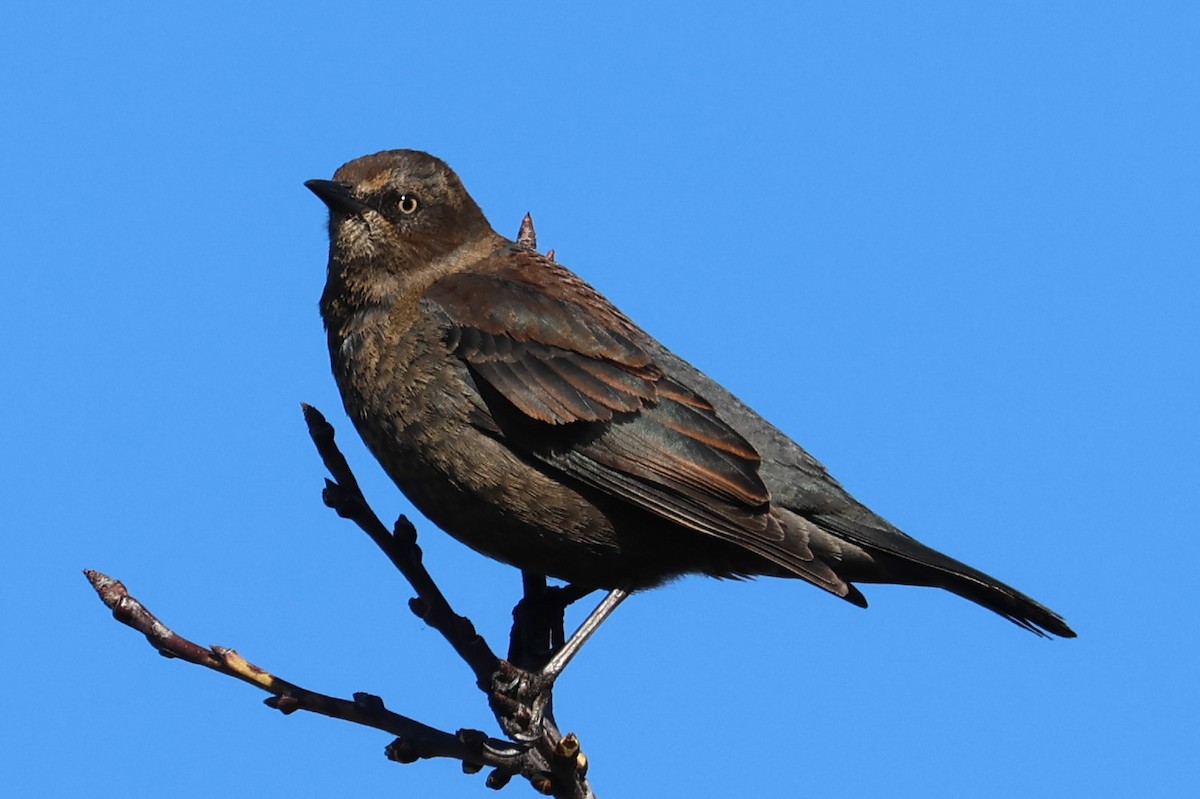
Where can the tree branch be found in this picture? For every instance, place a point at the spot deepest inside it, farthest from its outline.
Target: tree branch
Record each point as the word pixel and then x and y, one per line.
pixel 414 740
pixel 400 545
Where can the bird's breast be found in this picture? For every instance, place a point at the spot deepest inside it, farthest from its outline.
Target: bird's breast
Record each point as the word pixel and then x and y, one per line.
pixel 417 409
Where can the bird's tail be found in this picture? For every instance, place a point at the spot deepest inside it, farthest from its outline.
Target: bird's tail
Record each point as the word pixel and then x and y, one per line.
pixel 1000 598
pixel 897 558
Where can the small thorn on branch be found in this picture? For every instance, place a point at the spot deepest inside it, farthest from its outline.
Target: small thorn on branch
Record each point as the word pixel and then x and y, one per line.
pixel 526 237
pixel 419 607
pixel 285 703
pixel 404 532
pixel 401 750
pixel 369 702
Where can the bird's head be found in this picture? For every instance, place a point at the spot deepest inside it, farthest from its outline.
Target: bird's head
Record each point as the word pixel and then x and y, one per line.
pixel 397 210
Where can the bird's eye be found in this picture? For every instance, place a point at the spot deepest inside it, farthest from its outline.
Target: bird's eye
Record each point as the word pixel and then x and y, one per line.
pixel 408 204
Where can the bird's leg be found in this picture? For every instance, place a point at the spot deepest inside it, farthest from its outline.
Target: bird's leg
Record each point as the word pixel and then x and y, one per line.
pixel 521 690
pixel 537 629
pixel 592 623
pixel 538 619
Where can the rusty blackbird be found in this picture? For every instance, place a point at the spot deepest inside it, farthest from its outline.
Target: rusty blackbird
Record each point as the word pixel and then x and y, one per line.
pixel 525 415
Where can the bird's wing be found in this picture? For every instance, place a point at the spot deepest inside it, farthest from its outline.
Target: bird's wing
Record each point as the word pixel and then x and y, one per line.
pixel 567 382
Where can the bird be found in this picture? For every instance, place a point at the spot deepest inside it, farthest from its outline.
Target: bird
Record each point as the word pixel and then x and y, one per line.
pixel 524 414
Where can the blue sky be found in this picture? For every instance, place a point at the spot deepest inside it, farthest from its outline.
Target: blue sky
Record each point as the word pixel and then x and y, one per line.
pixel 951 249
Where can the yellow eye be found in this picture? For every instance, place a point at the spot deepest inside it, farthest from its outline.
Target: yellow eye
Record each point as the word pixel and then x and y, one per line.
pixel 408 204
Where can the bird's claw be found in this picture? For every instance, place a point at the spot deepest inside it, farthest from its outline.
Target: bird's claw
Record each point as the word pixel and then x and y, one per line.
pixel 520 699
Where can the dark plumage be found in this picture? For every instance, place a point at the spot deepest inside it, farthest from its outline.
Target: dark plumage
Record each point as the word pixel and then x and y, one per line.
pixel 528 417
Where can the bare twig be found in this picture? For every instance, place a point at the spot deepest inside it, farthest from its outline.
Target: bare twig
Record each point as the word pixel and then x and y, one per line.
pixel 414 740
pixel 400 545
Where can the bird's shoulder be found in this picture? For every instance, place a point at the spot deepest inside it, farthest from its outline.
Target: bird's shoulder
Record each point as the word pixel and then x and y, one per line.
pixel 521 294
pixel 547 341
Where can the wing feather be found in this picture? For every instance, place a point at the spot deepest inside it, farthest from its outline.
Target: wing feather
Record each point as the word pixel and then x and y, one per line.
pixel 569 384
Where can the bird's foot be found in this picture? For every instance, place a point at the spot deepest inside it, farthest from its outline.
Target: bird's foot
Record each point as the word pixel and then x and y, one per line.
pixel 521 701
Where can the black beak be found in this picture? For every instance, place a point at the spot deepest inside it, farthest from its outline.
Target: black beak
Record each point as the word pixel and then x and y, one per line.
pixel 335 195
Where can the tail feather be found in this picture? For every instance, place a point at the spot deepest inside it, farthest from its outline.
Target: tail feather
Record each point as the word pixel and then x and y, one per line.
pixel 1006 601
pixel 894 557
